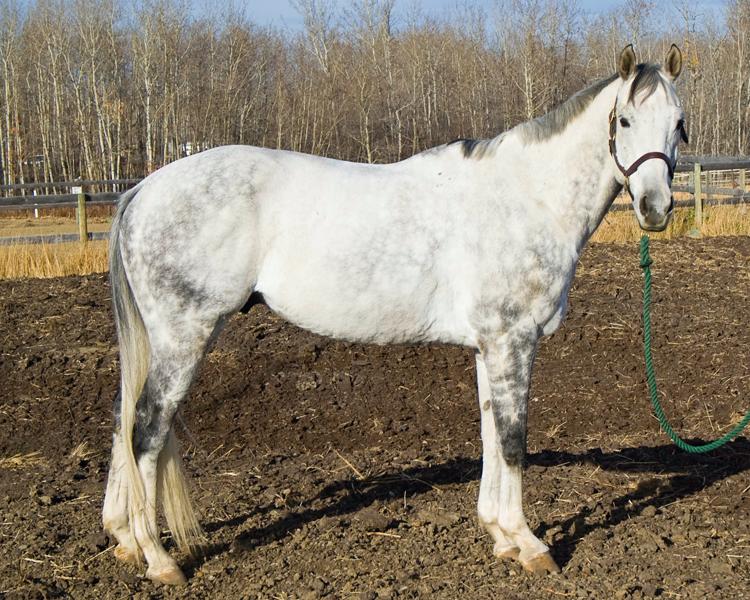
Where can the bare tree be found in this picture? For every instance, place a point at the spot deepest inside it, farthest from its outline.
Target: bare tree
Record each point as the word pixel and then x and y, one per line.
pixel 91 90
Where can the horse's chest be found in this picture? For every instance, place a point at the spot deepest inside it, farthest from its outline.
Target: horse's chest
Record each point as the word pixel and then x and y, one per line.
pixel 552 302
pixel 529 288
pixel 546 295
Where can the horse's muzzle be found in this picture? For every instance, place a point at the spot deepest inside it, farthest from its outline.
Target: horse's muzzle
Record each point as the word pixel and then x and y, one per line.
pixel 654 220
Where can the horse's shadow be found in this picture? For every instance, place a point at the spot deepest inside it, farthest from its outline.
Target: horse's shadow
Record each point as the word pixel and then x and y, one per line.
pixel 686 475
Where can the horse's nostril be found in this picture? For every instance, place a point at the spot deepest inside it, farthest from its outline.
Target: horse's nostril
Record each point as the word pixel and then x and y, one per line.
pixel 643 206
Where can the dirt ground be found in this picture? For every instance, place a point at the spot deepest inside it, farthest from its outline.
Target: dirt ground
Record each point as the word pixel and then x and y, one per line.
pixel 326 469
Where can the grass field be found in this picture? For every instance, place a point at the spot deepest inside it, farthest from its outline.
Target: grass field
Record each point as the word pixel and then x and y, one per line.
pixel 55 260
pixel 46 225
pixel 717 221
pixel 52 260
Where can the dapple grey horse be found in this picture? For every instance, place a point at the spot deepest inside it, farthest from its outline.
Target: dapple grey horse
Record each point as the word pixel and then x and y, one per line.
pixel 473 243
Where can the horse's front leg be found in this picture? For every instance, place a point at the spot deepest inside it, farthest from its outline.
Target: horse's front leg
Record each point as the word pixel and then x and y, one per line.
pixel 503 378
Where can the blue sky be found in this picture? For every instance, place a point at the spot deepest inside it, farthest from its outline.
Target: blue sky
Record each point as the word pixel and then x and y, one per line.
pixel 281 14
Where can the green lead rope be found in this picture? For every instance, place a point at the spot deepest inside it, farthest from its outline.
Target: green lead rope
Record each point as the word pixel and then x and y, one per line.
pixel 651 376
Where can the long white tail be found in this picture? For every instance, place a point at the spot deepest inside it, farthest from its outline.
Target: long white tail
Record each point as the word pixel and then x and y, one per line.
pixel 134 361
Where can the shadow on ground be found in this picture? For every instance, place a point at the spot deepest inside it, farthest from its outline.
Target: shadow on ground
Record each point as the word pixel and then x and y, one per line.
pixel 680 475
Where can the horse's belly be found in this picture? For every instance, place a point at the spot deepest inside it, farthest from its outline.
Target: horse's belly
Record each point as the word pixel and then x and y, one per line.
pixel 347 306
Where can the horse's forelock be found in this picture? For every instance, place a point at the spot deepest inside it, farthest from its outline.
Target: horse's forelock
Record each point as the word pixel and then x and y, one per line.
pixel 648 78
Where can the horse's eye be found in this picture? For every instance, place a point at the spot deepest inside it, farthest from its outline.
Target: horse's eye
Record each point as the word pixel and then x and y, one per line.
pixel 681 129
pixel 624 122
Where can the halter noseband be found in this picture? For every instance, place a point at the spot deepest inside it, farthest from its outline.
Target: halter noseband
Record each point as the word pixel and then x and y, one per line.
pixel 634 167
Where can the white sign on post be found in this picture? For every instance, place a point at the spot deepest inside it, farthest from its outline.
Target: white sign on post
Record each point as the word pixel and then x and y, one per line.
pixel 77 189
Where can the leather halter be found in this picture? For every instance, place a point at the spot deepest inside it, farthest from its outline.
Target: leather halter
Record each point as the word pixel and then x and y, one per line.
pixel 634 167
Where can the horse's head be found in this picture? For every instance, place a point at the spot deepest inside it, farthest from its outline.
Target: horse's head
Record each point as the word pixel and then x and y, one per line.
pixel 646 124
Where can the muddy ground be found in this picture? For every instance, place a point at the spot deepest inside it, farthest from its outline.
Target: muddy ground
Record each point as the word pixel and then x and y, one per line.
pixel 325 469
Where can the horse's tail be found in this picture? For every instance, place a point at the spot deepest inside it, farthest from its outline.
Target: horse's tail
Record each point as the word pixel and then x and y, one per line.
pixel 135 352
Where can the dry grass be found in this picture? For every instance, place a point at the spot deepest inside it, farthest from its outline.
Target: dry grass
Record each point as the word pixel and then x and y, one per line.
pixel 52 260
pixel 21 461
pixel 82 451
pixel 48 225
pixel 717 221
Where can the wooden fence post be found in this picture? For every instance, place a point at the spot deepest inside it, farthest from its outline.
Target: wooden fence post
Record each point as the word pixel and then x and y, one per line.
pixel 698 195
pixel 743 180
pixel 83 227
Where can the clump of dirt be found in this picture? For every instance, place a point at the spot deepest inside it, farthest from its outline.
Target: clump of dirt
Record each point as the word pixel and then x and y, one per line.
pixel 326 469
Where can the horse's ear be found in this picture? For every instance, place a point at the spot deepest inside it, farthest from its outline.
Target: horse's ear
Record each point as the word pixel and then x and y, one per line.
pixel 626 64
pixel 673 62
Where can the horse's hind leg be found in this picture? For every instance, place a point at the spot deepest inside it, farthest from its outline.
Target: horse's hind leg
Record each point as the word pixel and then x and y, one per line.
pixel 115 511
pixel 175 355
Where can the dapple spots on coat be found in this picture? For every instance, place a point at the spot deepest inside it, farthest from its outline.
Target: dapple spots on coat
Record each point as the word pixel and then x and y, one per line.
pixel 512 431
pixel 509 364
pixel 148 416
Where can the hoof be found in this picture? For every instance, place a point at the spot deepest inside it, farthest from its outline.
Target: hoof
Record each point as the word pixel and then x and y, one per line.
pixel 168 576
pixel 506 551
pixel 541 564
pixel 127 555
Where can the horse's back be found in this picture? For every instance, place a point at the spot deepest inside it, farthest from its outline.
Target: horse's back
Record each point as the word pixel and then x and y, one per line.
pixel 351 250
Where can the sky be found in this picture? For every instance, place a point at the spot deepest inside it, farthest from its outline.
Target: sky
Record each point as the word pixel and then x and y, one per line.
pixel 281 14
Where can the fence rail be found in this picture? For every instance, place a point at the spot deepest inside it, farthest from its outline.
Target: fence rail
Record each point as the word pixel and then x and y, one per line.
pixel 696 165
pixel 69 184
pixel 686 164
pixel 55 201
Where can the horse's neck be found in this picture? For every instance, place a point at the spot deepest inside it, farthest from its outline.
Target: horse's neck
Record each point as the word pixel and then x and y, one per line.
pixel 577 177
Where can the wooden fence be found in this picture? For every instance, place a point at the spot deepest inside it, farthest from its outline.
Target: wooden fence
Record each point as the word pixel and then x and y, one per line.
pixel 76 197
pixel 105 192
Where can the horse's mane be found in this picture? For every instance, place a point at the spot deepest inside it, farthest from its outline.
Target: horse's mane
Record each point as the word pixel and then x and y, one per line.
pixel 647 79
pixel 478 148
pixel 555 121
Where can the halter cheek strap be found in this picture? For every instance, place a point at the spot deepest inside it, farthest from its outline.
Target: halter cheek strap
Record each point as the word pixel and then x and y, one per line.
pixel 642 159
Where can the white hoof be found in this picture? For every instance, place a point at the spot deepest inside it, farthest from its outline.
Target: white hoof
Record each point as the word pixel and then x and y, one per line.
pixel 168 576
pixel 539 564
pixel 130 556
